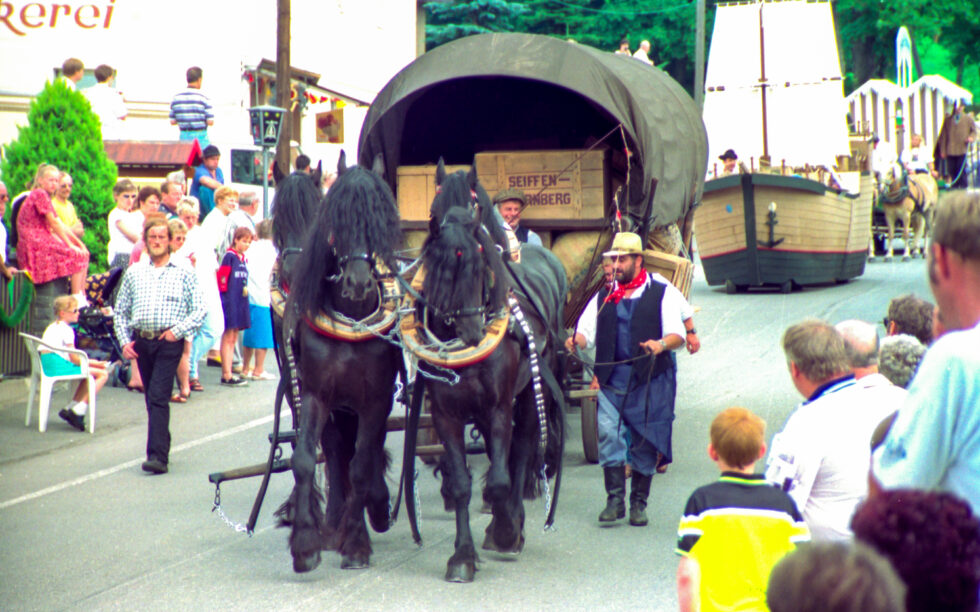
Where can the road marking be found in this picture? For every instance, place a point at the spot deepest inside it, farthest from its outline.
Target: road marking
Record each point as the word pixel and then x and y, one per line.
pixel 128 464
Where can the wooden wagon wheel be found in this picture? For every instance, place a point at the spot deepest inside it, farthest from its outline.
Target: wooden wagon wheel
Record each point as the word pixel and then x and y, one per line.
pixel 590 422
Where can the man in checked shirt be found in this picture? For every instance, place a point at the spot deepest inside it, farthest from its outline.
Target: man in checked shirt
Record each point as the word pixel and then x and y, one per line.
pixel 157 307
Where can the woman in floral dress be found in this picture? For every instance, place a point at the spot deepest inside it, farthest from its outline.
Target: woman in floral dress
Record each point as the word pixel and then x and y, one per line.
pixel 45 247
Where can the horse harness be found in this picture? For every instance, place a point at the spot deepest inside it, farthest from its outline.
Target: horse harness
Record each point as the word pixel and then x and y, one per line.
pixel 338 326
pixel 424 345
pixel 906 191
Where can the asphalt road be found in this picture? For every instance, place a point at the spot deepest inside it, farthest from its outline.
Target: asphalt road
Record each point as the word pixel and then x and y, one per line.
pixel 82 528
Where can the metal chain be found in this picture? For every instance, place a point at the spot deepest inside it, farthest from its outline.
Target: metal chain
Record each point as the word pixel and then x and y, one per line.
pixel 451 376
pixel 547 501
pixel 238 527
pixel 418 499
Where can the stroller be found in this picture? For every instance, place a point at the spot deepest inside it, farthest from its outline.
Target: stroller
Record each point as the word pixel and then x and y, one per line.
pixel 95 324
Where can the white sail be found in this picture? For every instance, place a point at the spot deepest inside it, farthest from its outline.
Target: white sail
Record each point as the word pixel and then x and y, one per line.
pixel 805 108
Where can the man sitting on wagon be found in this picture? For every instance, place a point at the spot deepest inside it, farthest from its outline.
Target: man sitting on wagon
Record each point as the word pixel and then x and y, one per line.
pixel 510 203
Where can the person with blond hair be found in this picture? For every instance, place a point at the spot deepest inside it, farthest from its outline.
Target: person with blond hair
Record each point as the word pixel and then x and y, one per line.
pixel 734 530
pixel 56 363
pixel 124 225
pixel 64 208
pixel 45 247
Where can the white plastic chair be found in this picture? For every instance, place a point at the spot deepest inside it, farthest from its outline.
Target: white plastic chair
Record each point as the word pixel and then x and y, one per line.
pixel 46 383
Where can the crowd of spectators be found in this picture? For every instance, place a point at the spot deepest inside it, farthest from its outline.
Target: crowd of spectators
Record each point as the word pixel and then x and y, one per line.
pixel 902 535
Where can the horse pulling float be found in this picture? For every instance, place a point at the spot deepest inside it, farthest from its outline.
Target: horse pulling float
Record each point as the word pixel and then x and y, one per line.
pixel 590 137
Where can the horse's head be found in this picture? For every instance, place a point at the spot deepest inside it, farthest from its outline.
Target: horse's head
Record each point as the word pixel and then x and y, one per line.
pixel 463 189
pixel 460 286
pixel 893 179
pixel 356 226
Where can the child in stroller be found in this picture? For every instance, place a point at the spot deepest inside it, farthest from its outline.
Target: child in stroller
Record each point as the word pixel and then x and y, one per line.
pixel 95 324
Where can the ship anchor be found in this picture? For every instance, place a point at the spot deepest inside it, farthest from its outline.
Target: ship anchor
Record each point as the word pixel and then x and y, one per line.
pixel 771 222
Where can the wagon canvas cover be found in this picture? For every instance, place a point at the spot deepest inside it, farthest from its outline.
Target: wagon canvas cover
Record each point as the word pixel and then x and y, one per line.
pixel 495 92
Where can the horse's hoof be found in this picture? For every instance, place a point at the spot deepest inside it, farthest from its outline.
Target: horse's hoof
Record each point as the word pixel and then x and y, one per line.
pixel 503 540
pixel 906 258
pixel 460 572
pixel 306 563
pixel 888 258
pixel 353 563
pixel 380 519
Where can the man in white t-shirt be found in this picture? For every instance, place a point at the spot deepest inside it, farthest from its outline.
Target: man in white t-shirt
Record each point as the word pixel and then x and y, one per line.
pixel 821 456
pixel 107 103
pixel 643 53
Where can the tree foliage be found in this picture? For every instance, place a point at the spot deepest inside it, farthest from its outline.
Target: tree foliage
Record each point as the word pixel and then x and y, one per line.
pixel 667 24
pixel 62 130
pixel 866 29
pixel 447 21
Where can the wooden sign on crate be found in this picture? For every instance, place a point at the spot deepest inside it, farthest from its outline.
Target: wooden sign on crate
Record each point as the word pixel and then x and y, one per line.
pixel 417 188
pixel 565 184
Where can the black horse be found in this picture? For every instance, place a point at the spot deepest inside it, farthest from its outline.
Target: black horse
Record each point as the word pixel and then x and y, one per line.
pixel 466 285
pixel 346 386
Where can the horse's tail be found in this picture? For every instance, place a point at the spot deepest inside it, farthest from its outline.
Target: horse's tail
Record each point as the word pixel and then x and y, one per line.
pixel 549 458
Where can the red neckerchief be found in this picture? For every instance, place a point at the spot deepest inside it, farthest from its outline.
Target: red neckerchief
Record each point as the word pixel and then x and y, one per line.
pixel 617 294
pixel 241 256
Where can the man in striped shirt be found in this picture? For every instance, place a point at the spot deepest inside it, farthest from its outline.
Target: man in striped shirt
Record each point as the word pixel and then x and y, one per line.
pixel 158 306
pixel 191 111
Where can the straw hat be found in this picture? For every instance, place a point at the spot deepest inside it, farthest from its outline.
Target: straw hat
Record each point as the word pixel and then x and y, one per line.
pixel 625 243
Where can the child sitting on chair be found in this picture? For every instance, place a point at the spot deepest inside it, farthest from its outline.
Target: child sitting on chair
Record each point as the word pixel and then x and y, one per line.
pixel 54 363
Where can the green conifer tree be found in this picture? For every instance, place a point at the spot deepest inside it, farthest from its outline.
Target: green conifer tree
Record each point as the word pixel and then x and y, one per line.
pixel 62 130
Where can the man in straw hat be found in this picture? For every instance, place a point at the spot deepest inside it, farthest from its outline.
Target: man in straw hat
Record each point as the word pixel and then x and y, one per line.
pixel 634 326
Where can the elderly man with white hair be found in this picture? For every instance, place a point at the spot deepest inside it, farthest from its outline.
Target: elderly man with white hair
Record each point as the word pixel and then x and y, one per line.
pixel 861 345
pixel 643 53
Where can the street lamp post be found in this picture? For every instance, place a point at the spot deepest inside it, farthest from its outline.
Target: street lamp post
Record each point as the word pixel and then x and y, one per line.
pixel 266 123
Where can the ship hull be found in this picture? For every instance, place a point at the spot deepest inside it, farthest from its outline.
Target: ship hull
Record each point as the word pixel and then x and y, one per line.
pixel 816 235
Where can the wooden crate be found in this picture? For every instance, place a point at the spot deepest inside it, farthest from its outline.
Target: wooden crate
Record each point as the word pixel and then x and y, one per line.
pixel 566 184
pixel 678 270
pixel 416 188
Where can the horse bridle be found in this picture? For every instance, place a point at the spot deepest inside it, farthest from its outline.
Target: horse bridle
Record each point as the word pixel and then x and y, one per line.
pixel 343 260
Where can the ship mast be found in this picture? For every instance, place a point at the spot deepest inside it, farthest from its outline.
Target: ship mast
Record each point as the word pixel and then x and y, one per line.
pixel 763 84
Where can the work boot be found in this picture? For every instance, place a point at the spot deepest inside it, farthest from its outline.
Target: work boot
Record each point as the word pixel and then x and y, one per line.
pixel 639 491
pixel 615 478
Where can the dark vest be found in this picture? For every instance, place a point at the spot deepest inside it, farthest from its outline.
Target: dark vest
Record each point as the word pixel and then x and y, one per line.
pixel 645 325
pixel 521 233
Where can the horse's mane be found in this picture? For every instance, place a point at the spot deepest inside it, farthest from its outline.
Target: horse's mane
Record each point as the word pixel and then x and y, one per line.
pixel 294 207
pixel 454 255
pixel 456 190
pixel 358 215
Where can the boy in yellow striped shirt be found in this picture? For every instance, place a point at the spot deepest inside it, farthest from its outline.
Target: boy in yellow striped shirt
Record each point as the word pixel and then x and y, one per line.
pixel 736 529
